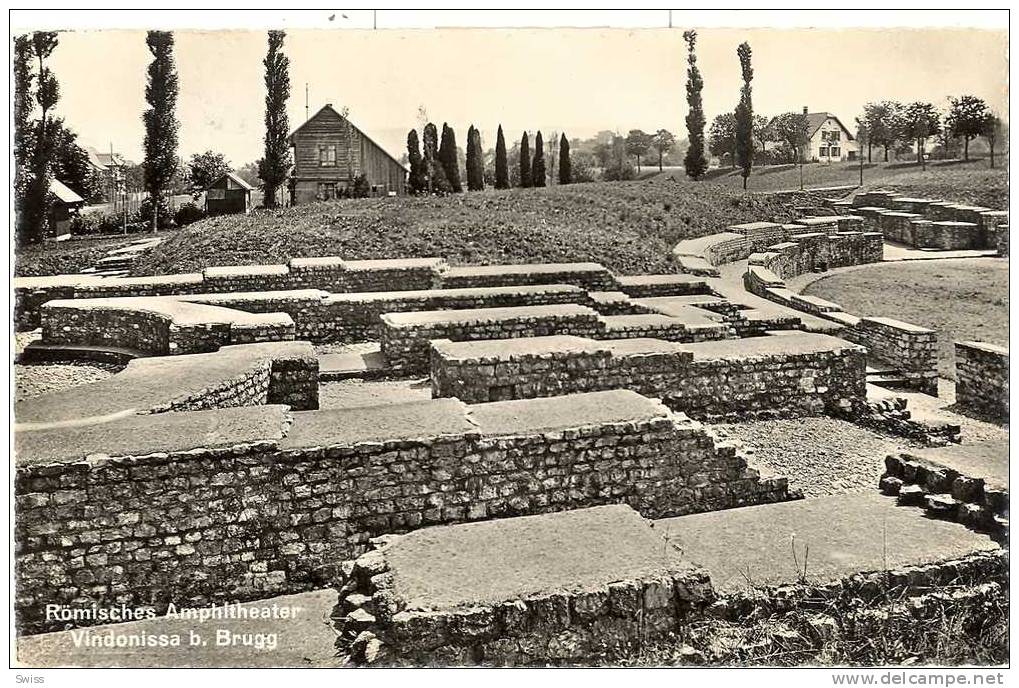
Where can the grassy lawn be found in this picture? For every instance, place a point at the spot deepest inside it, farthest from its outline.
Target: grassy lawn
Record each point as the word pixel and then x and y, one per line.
pixel 630 227
pixel 971 182
pixel 965 299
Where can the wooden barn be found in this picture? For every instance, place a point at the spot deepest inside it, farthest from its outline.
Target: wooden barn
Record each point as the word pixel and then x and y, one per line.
pixel 228 194
pixel 65 205
pixel 330 153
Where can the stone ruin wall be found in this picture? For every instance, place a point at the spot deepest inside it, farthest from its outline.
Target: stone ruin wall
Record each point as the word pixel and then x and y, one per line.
pixel 215 525
pixel 981 378
pixel 752 386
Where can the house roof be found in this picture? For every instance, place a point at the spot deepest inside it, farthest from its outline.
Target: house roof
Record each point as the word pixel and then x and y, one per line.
pixel 328 108
pixel 816 119
pixel 243 184
pixel 106 159
pixel 64 194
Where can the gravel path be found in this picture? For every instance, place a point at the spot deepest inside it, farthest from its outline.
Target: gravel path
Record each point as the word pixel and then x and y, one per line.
pixel 820 456
pixel 33 380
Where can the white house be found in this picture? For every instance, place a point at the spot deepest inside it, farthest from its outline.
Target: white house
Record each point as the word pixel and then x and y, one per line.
pixel 830 139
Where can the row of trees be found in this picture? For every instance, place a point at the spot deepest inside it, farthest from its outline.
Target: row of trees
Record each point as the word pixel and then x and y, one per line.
pixel 888 123
pixel 435 163
pixel 639 144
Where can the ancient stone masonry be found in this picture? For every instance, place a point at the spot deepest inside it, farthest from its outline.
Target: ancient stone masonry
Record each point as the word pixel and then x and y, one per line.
pixel 589 276
pixel 639 590
pixel 158 325
pixel 777 376
pixel 927 223
pixel 910 349
pixel 981 378
pixel 968 484
pixel 239 513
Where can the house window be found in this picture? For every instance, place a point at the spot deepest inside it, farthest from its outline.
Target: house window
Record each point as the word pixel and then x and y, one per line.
pixel 836 152
pixel 823 152
pixel 326 191
pixel 835 134
pixel 327 156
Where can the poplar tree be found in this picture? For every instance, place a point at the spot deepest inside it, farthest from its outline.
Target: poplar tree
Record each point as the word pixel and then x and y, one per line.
pixel 501 163
pixel 538 173
pixel 273 167
pixel 37 186
pixel 694 161
pixel 436 176
pixel 23 77
pixel 565 167
pixel 525 162
pixel 160 119
pixel 745 116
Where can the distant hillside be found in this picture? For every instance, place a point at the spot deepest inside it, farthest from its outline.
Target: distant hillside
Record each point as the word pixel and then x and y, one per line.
pixel 630 227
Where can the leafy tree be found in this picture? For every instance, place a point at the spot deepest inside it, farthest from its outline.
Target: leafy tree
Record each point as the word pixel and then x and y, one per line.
pixel 745 115
pixel 919 122
pixel 37 187
pixel 884 124
pixel 273 167
pixel 790 129
pixel 418 177
pixel 538 172
pixel 695 162
pixel 618 167
pixel 71 164
pixel 638 144
pixel 448 158
pixel 663 141
pixel 992 131
pixel 249 173
pixel 565 166
pixel 722 137
pixel 967 119
pixel 525 162
pixel 205 168
pixel 762 132
pixel 23 134
pixel 501 167
pixel 161 123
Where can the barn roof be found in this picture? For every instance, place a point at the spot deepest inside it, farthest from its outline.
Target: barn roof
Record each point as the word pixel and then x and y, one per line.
pixel 64 194
pixel 243 184
pixel 328 108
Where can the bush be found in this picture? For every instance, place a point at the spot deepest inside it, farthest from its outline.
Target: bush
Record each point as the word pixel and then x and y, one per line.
pixel 188 213
pixel 88 224
pixel 144 215
pixel 361 188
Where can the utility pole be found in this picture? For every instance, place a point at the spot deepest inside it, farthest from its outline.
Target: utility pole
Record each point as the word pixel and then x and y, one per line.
pixel 306 116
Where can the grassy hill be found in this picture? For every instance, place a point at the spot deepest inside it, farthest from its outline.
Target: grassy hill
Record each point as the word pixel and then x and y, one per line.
pixel 972 181
pixel 630 227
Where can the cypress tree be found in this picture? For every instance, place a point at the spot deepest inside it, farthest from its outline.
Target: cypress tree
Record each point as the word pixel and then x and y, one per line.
pixel 525 162
pixel 448 158
pixel 479 160
pixel 565 168
pixel 538 173
pixel 501 163
pixel 436 176
pixel 417 182
pixel 745 116
pixel 694 161
pixel 475 161
pixel 273 167
pixel 160 121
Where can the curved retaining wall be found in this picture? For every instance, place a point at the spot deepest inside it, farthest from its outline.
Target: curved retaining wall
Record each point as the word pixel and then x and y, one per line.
pixel 981 378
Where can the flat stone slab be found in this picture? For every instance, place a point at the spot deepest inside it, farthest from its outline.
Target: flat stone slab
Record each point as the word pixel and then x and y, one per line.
pixel 508 559
pixel 681 308
pixel 523 269
pixel 774 344
pixel 987 459
pixel 149 382
pixel 394 264
pixel 228 271
pixel 140 435
pixel 303 640
pixel 750 227
pixel 351 365
pixel 471 315
pixel 508 349
pixel 414 420
pixel 527 416
pixel 623 323
pixel 656 280
pixel 847 534
pixel 479 292
pixel 177 311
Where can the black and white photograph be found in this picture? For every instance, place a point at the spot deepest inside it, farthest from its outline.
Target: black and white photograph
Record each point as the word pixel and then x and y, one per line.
pixel 420 339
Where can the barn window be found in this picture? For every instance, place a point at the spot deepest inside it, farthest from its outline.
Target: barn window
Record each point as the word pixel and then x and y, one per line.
pixel 327 156
pixel 326 191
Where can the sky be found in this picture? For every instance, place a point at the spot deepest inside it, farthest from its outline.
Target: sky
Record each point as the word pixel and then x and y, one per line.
pixel 575 80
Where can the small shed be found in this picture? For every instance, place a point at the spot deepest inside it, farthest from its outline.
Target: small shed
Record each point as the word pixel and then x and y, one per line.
pixel 65 206
pixel 228 194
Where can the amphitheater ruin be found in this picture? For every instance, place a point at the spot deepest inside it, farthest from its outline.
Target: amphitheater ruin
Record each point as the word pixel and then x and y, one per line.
pixel 509 464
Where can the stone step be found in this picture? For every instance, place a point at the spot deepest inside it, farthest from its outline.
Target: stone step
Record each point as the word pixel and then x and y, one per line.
pixel 369 365
pixel 37 352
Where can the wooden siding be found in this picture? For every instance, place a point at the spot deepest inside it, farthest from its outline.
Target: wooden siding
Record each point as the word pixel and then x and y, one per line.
pixel 356 154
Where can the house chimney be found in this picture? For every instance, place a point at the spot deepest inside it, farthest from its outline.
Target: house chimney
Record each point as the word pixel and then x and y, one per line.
pixel 804 109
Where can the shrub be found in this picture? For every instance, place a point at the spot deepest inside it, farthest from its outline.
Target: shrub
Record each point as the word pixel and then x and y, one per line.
pixel 88 224
pixel 144 215
pixel 188 213
pixel 361 188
